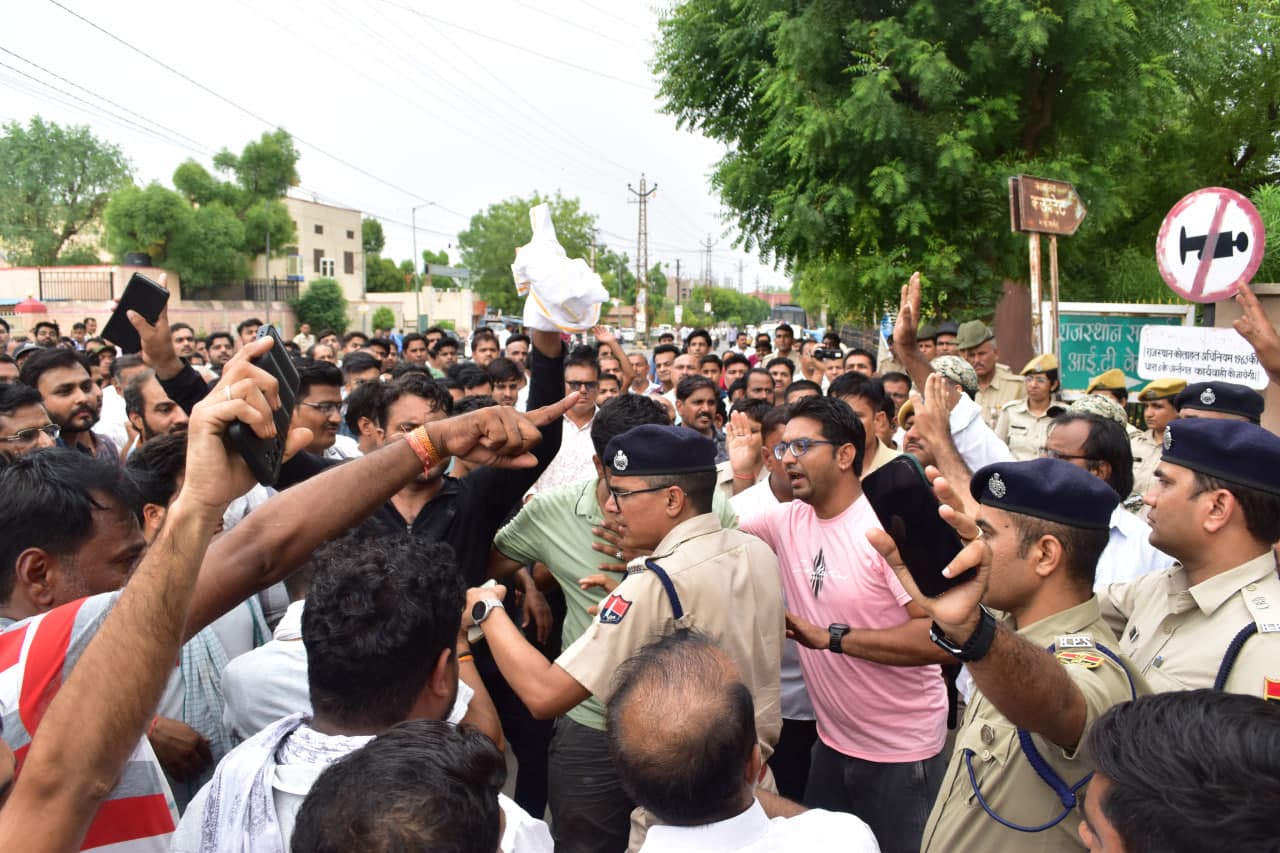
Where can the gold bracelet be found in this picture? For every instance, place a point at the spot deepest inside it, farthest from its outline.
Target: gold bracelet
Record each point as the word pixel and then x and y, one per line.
pixel 465 656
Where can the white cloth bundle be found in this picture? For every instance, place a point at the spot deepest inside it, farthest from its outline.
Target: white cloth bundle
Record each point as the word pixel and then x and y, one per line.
pixel 562 294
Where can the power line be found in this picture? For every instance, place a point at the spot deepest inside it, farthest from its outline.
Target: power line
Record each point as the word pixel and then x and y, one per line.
pixel 573 24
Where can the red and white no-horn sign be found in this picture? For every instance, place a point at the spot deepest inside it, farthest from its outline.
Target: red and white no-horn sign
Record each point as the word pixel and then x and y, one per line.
pixel 1210 245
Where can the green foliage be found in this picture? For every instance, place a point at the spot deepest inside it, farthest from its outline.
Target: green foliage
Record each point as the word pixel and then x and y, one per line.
pixel 78 256
pixel 54 181
pixel 441 257
pixel 209 229
pixel 383 276
pixel 1267 200
pixel 868 140
pixel 372 237
pixel 490 241
pixel 323 306
pixel 727 306
pixel 384 318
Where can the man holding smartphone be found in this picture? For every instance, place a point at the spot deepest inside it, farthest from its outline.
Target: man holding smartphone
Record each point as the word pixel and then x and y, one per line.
pixel 1044 671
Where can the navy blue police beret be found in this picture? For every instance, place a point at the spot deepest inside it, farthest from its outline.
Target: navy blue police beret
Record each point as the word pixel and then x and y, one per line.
pixel 1052 489
pixel 1221 397
pixel 654 450
pixel 1235 451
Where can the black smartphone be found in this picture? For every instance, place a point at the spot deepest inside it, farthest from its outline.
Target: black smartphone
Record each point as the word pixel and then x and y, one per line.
pixel 264 455
pixel 908 511
pixel 146 297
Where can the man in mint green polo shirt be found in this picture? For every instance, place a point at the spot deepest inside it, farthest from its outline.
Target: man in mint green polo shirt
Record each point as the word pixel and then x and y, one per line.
pixel 589 809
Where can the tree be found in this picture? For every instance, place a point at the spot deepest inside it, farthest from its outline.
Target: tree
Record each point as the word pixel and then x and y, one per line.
pixel 54 181
pixel 868 140
pixel 322 305
pixel 372 236
pixel 489 244
pixel 383 276
pixel 384 318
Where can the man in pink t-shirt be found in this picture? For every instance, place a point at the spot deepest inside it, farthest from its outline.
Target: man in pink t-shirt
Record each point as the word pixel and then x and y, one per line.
pixel 878 694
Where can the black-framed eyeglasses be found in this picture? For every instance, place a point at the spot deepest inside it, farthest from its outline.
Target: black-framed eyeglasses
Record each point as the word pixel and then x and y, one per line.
pixel 1047 453
pixel 798 447
pixel 27 436
pixel 326 408
pixel 581 385
pixel 618 496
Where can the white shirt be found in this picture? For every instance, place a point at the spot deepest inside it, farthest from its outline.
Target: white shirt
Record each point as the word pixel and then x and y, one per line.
pixel 1129 553
pixel 344 447
pixel 112 419
pixel 753 831
pixel 572 463
pixel 976 442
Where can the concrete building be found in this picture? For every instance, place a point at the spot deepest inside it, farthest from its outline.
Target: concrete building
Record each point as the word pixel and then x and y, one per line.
pixel 329 245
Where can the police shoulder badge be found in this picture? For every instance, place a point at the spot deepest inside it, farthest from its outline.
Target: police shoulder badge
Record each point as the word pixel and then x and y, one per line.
pixel 614 608
pixel 620 461
pixel 997 486
pixel 1088 660
pixel 1208 397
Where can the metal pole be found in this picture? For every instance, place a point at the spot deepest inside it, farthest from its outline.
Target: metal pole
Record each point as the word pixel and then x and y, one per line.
pixel 417 285
pixel 266 268
pixel 1053 293
pixel 1037 330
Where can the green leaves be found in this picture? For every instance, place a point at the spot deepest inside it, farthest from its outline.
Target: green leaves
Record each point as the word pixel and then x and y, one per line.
pixel 323 305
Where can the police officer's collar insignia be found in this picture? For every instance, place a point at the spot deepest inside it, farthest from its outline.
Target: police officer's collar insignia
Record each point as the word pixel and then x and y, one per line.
pixel 1168 438
pixel 1086 659
pixel 1208 397
pixel 620 461
pixel 997 487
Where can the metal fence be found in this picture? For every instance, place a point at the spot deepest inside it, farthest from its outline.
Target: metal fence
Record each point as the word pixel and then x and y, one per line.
pixel 63 285
pixel 247 290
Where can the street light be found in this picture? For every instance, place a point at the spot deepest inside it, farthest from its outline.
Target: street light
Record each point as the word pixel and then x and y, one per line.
pixel 417 280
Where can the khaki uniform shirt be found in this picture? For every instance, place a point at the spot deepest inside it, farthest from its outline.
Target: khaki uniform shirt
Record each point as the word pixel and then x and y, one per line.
pixel 1005 387
pixel 890 365
pixel 884 455
pixel 729 587
pixel 1178 635
pixel 1146 456
pixel 1022 431
pixel 1008 783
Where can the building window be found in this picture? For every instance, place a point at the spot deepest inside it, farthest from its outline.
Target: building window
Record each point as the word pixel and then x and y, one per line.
pixel 327 267
pixel 351 235
pixel 319 229
pixel 349 263
pixel 317 255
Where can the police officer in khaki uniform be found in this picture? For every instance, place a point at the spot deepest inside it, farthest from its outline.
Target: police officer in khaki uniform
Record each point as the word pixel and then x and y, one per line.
pixel 721 582
pixel 1157 411
pixel 997 384
pixel 1213 619
pixel 1113 383
pixel 1044 671
pixel 1023 424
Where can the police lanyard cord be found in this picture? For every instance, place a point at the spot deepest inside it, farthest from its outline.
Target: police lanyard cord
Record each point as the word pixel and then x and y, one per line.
pixel 1233 652
pixel 1066 794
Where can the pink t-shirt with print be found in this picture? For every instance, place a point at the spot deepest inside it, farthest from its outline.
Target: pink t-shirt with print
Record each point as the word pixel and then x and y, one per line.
pixel 831 573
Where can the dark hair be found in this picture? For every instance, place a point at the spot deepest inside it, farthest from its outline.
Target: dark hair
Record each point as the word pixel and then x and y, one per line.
pixel 380 611
pixel 735 386
pixel 359 362
pixel 665 348
pixel 518 337
pixel 855 384
pixel 413 385
pixel 1106 442
pixel 865 353
pixel 421 785
pixel 134 404
pixel 503 369
pixel 484 334
pixel 435 330
pixel 783 362
pixel 123 363
pixel 836 422
pixel 784 327
pixel 447 342
pixel 754 409
pixel 351 336
pixel 154 469
pixel 711 358
pixel 1261 509
pixel 46 324
pixel 208 342
pixel 400 368
pixel 758 371
pixel 609 377
pixel 4 324
pixel 1081 547
pixel 470 376
pixel 17 396
pixel 411 337
pixel 583 361
pixel 774 418
pixel 698 333
pixel 324 333
pixel 386 343
pixel 1190 771
pixel 47 501
pixel 895 376
pixel 362 402
pixel 693 774
pixel 312 373
pixel 53 358
pixel 473 404
pixel 736 358
pixel 802 385
pixel 244 324
pixel 692 384
pixel 622 413
pixel 174 327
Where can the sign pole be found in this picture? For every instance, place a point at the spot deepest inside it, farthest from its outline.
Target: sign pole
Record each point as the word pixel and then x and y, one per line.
pixel 1037 329
pixel 1053 295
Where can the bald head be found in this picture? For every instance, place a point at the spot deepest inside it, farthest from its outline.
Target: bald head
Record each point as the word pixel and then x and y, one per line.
pixel 681 728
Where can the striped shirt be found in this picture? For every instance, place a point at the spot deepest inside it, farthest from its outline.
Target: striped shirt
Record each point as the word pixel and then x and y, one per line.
pixel 36 657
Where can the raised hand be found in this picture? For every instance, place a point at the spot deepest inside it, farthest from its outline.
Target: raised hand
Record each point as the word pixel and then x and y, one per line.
pixel 498 436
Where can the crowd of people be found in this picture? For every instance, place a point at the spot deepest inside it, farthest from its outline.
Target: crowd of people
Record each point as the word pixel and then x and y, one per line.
pixel 653 579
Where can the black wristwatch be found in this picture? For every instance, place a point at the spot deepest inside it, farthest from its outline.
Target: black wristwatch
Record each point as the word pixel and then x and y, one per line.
pixel 976 647
pixel 837 631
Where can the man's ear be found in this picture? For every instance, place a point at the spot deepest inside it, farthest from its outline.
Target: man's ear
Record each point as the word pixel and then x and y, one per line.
pixel 136 420
pixel 595 460
pixel 35 571
pixel 845 454
pixel 444 678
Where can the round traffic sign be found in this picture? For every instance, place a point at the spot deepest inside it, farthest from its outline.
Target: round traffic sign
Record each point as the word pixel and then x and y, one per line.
pixel 1210 244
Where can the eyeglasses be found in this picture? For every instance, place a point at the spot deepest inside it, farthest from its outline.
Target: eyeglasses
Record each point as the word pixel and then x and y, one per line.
pixel 798 447
pixel 326 408
pixel 579 385
pixel 28 436
pixel 1046 453
pixel 618 496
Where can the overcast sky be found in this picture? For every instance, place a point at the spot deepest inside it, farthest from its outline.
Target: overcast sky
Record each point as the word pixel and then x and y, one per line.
pixel 393 103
